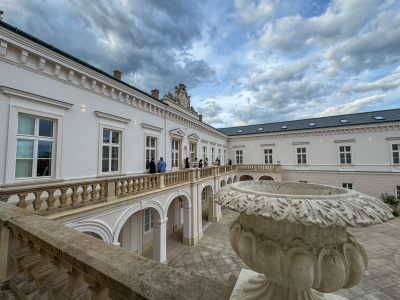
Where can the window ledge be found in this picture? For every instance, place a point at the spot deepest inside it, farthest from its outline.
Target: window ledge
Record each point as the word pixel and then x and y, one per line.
pixel 31 182
pixel 106 175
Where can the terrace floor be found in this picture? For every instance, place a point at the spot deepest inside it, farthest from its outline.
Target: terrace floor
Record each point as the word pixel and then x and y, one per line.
pixel 213 256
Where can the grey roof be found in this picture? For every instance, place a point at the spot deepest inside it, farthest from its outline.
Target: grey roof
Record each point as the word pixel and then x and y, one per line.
pixel 391 115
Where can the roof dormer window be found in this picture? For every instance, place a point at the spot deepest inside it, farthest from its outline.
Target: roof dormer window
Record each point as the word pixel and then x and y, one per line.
pixel 311 124
pixel 284 126
pixel 260 129
pixel 378 118
pixel 343 121
pixel 240 131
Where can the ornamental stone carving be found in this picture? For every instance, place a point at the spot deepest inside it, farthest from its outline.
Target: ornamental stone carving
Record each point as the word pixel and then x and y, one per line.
pixel 295 234
pixel 180 97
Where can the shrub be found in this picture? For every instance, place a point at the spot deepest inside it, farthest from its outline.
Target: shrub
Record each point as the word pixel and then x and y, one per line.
pixel 390 199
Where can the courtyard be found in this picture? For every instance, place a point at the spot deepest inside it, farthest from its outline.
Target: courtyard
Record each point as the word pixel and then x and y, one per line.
pixel 214 257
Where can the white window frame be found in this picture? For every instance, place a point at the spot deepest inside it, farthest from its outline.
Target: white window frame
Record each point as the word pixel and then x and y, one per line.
pixel 192 151
pixel 301 154
pixel 204 153
pixel 239 157
pixel 204 195
pixel 111 145
pixel 36 139
pixel 148 136
pixel 347 185
pixel 395 151
pixel 45 112
pixel 212 154
pixel 151 220
pixel 270 159
pixel 153 132
pixel 121 160
pixel 345 152
pixel 224 157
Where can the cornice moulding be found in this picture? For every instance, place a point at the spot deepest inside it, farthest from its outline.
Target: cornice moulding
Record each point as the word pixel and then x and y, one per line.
pixel 239 146
pixel 10 92
pixel 204 141
pixel 267 145
pixel 393 138
pixel 152 127
pixel 344 141
pixel 111 117
pixel 300 143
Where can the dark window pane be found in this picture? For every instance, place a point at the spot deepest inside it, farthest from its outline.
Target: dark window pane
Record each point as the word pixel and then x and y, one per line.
pixel 348 148
pixel 105 165
pixel 26 125
pixel 114 165
pixel 44 149
pixel 396 160
pixel 106 152
pixel 45 128
pixel 147 142
pixel 341 149
pixel 106 136
pixel 153 143
pixel 115 137
pixel 43 167
pixel 114 152
pixel 395 147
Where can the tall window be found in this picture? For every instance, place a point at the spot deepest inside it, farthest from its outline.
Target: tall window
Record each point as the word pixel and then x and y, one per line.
pixel 151 146
pixel 398 191
pixel 175 155
pixel 347 185
pixel 204 153
pixel 345 154
pixel 204 194
pixel 239 156
pixel 212 154
pixel 301 155
pixel 148 219
pixel 224 157
pixel 111 150
pixel 35 147
pixel 219 154
pixel 396 153
pixel 268 156
pixel 192 151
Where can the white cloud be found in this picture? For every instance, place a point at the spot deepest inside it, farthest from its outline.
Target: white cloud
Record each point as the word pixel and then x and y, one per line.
pixel 350 108
pixel 255 12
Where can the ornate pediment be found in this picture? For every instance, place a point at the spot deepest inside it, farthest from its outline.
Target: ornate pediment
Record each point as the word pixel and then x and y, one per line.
pixel 193 137
pixel 176 134
pixel 180 98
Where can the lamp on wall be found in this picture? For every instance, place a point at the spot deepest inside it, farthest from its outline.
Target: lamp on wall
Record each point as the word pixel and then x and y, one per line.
pixel 180 201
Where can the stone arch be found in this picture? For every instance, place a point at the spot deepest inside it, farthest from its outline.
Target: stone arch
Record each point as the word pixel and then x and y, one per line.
pixel 246 177
pixel 265 177
pixel 159 214
pixel 229 181
pixel 234 178
pixel 187 200
pixel 97 227
pixel 222 183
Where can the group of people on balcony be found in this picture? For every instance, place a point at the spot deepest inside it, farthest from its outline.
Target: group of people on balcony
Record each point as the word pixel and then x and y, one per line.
pixel 201 163
pixel 161 165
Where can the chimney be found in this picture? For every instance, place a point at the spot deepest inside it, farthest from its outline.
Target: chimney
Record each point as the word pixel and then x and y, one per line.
pixel 201 118
pixel 155 94
pixel 117 74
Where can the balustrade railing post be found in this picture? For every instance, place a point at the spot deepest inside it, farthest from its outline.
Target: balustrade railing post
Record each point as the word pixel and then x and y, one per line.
pixel 37 203
pixel 17 255
pixel 63 197
pixel 8 244
pixel 57 282
pixel 28 263
pixel 40 272
pixel 97 290
pixel 110 189
pixel 77 288
pixel 192 174
pixel 162 181
pixel 22 203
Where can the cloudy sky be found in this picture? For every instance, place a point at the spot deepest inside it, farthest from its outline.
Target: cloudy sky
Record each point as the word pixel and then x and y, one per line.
pixel 243 61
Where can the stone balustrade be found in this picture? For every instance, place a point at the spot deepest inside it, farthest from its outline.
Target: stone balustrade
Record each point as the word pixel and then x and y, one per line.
pixel 59 196
pixel 41 259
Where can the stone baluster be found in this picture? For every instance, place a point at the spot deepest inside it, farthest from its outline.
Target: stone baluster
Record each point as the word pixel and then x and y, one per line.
pixel 37 203
pixel 57 282
pixel 123 187
pixel 85 193
pixel 97 290
pixel 139 184
pixel 129 186
pixel 22 203
pixel 63 197
pixel 28 263
pixel 77 288
pixel 93 193
pixel 134 185
pixel 17 255
pixel 40 272
pixel 117 188
pixel 102 191
pixel 50 200
pixel 75 195
pixel 4 198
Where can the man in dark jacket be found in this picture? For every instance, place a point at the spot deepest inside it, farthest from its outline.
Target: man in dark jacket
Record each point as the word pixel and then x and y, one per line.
pixel 152 166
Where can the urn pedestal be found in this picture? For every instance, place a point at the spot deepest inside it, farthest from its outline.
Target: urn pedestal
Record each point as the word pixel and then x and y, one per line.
pixel 295 235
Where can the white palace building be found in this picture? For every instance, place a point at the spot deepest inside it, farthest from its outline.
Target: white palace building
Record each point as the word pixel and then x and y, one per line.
pixel 75 149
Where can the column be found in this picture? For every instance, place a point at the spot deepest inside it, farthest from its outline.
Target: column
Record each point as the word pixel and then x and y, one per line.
pixel 199 215
pixel 211 209
pixel 160 240
pixel 134 233
pixel 187 230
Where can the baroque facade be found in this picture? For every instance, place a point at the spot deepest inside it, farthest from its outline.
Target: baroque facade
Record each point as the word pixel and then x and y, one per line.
pixel 77 144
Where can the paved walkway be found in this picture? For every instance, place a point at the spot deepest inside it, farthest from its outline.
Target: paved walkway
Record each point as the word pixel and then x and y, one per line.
pixel 214 257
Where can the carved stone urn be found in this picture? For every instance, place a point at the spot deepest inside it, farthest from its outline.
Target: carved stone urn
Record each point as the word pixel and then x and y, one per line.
pixel 295 235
